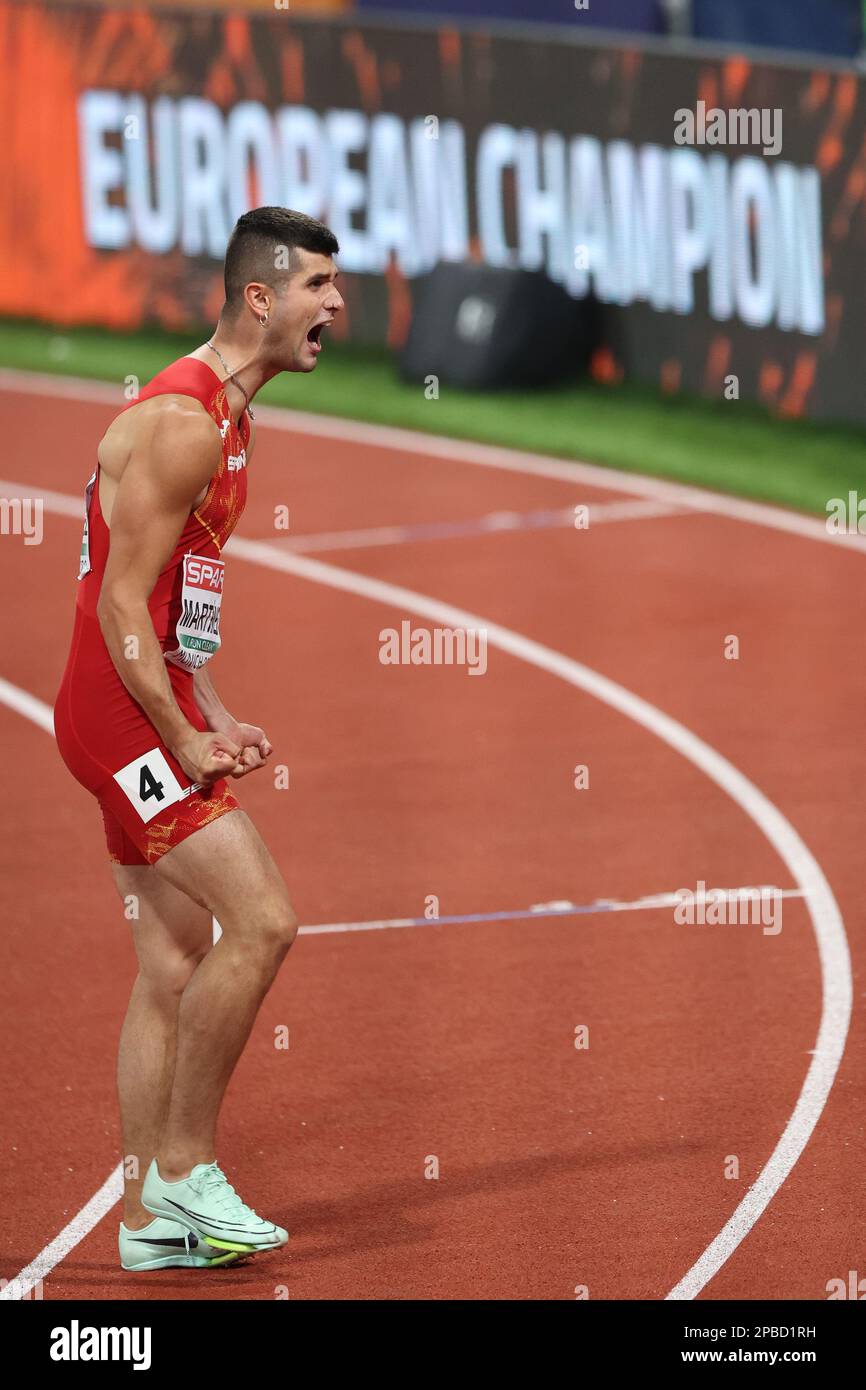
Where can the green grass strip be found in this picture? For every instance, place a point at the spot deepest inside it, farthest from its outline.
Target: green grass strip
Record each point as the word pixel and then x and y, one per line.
pixel 729 446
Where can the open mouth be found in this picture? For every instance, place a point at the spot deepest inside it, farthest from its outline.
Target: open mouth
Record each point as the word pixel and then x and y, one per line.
pixel 315 335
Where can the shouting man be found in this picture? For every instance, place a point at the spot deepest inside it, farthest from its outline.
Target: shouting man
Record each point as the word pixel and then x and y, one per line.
pixel 141 726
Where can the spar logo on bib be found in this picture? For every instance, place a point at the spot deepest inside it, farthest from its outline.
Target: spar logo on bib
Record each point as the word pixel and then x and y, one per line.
pixel 198 626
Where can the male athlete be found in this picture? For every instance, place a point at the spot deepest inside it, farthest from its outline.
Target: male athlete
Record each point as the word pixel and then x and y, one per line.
pixel 140 724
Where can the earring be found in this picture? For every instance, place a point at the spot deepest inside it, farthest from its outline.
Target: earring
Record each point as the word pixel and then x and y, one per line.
pixel 264 320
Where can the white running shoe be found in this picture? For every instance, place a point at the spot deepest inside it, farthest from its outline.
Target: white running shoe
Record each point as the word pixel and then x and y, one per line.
pixel 206 1204
pixel 165 1244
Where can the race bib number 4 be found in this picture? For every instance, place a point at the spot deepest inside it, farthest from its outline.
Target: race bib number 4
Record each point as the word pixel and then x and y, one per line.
pixel 150 784
pixel 198 626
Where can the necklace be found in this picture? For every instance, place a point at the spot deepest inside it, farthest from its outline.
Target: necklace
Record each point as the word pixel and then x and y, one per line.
pixel 213 347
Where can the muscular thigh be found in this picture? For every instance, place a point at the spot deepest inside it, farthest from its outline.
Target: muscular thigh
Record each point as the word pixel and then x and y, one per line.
pixel 227 867
pixel 171 931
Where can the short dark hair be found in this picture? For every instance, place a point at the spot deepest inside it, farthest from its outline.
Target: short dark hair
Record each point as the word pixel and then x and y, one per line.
pixel 256 241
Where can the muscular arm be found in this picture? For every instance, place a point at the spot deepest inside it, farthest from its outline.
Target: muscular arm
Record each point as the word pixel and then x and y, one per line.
pixel 209 702
pixel 172 461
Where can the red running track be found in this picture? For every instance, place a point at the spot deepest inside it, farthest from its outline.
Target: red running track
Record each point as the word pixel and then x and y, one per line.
pixel 559 1168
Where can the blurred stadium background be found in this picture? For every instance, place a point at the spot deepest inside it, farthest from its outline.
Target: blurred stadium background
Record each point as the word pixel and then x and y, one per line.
pixel 700 304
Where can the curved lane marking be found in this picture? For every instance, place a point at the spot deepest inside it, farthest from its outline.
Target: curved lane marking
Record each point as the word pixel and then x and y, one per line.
pixel 829 931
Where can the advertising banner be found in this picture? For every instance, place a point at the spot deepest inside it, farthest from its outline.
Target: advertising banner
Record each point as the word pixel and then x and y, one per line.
pixel 713 207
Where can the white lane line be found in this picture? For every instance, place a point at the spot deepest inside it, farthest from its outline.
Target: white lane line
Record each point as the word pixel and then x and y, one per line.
pixel 28 705
pixel 91 1214
pixel 827 925
pixel 416 443
pixel 598 513
pixel 59 502
pixel 561 908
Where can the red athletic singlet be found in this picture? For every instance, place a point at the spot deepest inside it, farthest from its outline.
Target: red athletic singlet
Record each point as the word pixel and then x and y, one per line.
pixel 104 736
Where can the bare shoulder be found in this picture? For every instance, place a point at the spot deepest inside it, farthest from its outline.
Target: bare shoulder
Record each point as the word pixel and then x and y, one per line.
pixel 164 428
pixel 159 455
pixel 177 423
pixel 162 415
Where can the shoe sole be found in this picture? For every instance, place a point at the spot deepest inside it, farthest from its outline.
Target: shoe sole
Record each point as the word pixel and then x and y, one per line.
pixel 230 1245
pixel 180 1262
